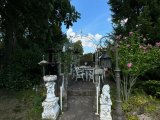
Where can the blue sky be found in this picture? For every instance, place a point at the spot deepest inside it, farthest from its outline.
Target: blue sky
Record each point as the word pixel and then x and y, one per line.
pixel 95 22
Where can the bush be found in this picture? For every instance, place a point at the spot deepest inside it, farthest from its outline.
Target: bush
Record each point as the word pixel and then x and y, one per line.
pixel 140 104
pixel 23 70
pixel 132 117
pixel 152 87
pixel 33 100
pixel 134 103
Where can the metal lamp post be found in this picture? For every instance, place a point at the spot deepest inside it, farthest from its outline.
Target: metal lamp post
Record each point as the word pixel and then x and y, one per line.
pixel 117 77
pixel 96 58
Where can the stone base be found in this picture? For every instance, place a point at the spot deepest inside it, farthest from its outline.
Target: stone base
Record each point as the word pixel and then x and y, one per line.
pixel 51 109
pixel 106 118
pixel 105 113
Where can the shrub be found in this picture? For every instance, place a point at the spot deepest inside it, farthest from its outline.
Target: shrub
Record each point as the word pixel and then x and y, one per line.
pixel 132 117
pixel 23 70
pixel 150 108
pixel 136 57
pixel 134 103
pixel 140 104
pixel 152 87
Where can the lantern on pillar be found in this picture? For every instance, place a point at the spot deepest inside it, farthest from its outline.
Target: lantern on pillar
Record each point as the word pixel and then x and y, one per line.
pixel 105 60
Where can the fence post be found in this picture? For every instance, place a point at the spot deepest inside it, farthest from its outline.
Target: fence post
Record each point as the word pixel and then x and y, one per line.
pixel 97 90
pixel 61 97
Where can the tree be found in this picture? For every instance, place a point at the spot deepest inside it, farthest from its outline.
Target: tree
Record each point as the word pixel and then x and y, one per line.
pixel 87 58
pixel 136 15
pixel 77 52
pixel 28 27
pixel 38 21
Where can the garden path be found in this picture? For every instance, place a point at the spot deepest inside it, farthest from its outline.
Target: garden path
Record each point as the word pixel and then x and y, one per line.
pixel 81 102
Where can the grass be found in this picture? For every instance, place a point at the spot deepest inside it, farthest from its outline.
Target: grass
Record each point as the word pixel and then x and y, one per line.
pixel 141 104
pixel 21 105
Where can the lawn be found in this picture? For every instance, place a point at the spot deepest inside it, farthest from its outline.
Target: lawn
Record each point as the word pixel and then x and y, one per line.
pixel 23 105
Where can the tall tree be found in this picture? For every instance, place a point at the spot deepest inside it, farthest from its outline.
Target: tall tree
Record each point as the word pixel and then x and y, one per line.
pixel 37 20
pixel 27 27
pixel 77 52
pixel 136 15
pixel 77 47
pixel 87 58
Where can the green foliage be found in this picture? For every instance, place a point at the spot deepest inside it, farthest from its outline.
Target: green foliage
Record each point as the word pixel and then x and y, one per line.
pixel 152 74
pixel 150 108
pixel 141 15
pixel 142 57
pixel 77 52
pixel 23 71
pixel 152 87
pixel 27 29
pixel 132 117
pixel 140 104
pixel 36 109
pixel 33 101
pixel 87 58
pixel 66 59
pixel 77 47
pixel 135 59
pixel 134 103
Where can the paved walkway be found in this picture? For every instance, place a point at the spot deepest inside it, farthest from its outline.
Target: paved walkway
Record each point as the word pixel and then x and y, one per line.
pixel 81 102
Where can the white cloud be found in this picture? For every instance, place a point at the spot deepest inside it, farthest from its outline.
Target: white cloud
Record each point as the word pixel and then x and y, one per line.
pixel 90 36
pixel 88 44
pixel 88 41
pixel 70 33
pixel 98 37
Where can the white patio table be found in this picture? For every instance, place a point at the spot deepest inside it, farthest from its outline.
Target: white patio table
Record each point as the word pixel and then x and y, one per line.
pixel 86 70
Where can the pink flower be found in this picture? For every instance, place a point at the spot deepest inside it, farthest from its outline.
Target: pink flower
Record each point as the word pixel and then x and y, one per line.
pixel 118 37
pixel 129 65
pixel 141 46
pixel 128 45
pixel 130 33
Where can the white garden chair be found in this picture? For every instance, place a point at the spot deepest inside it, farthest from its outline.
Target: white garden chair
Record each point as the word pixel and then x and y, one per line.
pixel 91 75
pixel 79 73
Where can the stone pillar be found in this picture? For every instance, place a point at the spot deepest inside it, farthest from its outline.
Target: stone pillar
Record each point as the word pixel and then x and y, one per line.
pixel 105 104
pixel 50 104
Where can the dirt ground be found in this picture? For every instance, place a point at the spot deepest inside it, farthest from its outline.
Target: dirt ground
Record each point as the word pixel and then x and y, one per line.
pixel 11 107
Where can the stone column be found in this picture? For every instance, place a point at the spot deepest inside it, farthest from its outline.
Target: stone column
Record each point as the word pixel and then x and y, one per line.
pixel 105 104
pixel 50 104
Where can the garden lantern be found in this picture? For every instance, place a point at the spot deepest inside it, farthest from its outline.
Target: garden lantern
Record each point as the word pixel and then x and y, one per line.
pixel 43 63
pixel 105 60
pixel 52 61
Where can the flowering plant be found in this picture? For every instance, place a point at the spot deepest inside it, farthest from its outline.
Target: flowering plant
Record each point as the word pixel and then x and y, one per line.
pixel 135 59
